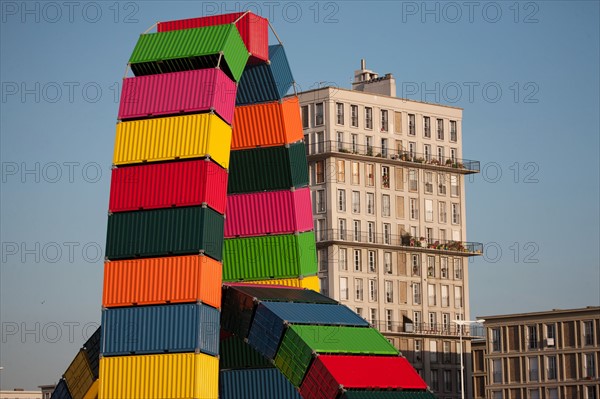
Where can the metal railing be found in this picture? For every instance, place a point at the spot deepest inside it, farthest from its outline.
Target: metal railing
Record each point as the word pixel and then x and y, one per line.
pixel 471 248
pixel 421 328
pixel 446 162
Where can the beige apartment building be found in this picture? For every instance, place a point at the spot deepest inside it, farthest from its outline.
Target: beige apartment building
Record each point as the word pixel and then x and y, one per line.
pixel 541 355
pixel 387 178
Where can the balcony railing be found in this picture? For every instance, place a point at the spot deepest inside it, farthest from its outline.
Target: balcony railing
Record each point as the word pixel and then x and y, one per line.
pixel 420 328
pixel 431 160
pixel 469 248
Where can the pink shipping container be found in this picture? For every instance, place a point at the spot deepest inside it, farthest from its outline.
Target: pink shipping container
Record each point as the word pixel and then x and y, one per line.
pixel 163 185
pixel 253 29
pixel 178 92
pixel 270 212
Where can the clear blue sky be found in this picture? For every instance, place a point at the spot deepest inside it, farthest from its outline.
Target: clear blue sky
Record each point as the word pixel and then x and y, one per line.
pixel 532 119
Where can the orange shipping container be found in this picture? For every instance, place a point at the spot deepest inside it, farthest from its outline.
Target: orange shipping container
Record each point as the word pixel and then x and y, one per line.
pixel 268 124
pixel 174 279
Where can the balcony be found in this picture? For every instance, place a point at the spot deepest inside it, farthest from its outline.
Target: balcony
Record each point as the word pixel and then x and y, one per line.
pixel 407 242
pixel 404 158
pixel 385 326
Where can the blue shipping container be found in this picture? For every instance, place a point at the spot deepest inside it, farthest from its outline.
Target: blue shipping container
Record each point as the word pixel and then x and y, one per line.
pixel 61 391
pixel 267 81
pixel 268 324
pixel 160 329
pixel 255 384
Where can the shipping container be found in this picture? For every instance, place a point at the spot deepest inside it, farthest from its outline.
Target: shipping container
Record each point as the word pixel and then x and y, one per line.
pixel 266 125
pixel 155 281
pixel 92 351
pixel 388 395
pixel 201 90
pixel 328 372
pixel 310 282
pixel 234 353
pixel 267 81
pixel 173 138
pixel 92 393
pixel 189 49
pixel 79 376
pixel 163 232
pixel 169 184
pixel 255 384
pixel 173 376
pixel 270 212
pixel 61 391
pixel 278 256
pixel 268 169
pixel 270 319
pixel 253 29
pixel 160 329
pixel 301 342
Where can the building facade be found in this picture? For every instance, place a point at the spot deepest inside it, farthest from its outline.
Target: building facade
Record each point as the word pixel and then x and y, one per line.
pixel 387 179
pixel 542 355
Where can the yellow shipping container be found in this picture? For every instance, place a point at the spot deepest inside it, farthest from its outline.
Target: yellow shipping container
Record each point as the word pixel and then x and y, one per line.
pixel 79 376
pixel 311 283
pixel 92 393
pixel 176 137
pixel 169 376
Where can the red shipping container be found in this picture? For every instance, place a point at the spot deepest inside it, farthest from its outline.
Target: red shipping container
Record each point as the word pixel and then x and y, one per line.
pixel 270 212
pixel 164 185
pixel 253 29
pixel 328 372
pixel 178 92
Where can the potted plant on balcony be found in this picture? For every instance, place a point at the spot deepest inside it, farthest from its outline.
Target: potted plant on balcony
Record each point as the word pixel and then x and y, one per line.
pixel 419 160
pixel 423 242
pixel 406 239
pixel 434 161
pixel 449 162
pixel 370 151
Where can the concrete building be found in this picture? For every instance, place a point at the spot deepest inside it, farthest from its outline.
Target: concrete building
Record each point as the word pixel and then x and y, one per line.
pixel 47 390
pixel 18 393
pixel 541 355
pixel 387 178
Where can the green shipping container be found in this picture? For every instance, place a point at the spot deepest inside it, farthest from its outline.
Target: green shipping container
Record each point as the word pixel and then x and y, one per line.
pixel 162 232
pixel 268 169
pixel 188 49
pixel 234 353
pixel 265 257
pixel 301 341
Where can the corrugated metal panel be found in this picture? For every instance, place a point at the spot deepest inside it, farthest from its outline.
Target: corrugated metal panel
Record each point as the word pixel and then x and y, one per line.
pixel 160 329
pixel 268 324
pixel 61 391
pixel 179 137
pixel 234 353
pixel 92 351
pixel 270 212
pixel 184 50
pixel 253 29
pixel 164 185
pixel 388 395
pixel 162 232
pixel 175 93
pixel 174 376
pixel 327 373
pixel 310 282
pixel 92 393
pixel 266 82
pixel 300 342
pixel 268 124
pixel 265 257
pixel 153 281
pixel 79 376
pixel 270 168
pixel 255 384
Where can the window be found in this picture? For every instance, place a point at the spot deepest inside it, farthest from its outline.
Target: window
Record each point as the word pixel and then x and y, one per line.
pixel 387 238
pixel 369 145
pixel 341 200
pixel 416 294
pixel 354 138
pixel 453 155
pixel 321 232
pixel 440 155
pixel 414 209
pixel 413 180
pixel 373 290
pixel 355 202
pixel 431 294
pixel 417 320
pixel 534 394
pixel 324 285
pixel 305 117
pixel 387 262
pixel 429 234
pixel 435 385
pixel 552 393
pixel 319 172
pixel 428 183
pixel 495 332
pixel 385 205
pixel 359 311
pixel 354 115
pixel 455 214
pixel 418 344
pixel 389 319
pixel 371 231
pixel 358 289
pixel 370 174
pixel 318 114
pixel 368 118
pixel 430 266
pixel 322 257
pixel 533 368
pixel 550 335
pixel 589 365
pixel 591 392
pixel 355 173
pixel 440 129
pixel 370 203
pixel 442 236
pixel 446 325
pixel 357 261
pixel 340 141
pixel 416 264
pixel 372 261
pixel 385 176
pixel 532 337
pixel 412 149
pixel 551 367
pixel 454 186
pixel 341 170
pixel 588 332
pixel 357 230
pixel 442 212
pixel 389 291
pixel 339 113
pixel 458 302
pixel 433 355
pixel 411 124
pixel 373 319
pixel 384 148
pixel 427 127
pixel 497 370
pixel 384 120
pixel 343 259
pixel 447 379
pixel 342 228
pixel 453 132
pixel 441 184
pixel 445 296
pixel 397 122
pixel 321 206
pixel 344 288
pixel 427 152
pixel 428 211
pixel 319 143
pixel 458 269
pixel 443 267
